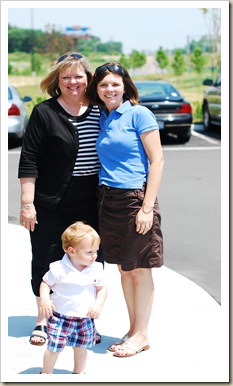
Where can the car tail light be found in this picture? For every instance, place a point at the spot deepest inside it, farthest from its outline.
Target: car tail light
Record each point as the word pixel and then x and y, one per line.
pixel 13 110
pixel 185 109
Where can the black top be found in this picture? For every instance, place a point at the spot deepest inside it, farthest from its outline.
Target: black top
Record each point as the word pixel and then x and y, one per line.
pixel 49 151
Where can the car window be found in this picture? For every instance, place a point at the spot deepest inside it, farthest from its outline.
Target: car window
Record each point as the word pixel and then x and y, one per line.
pixel 147 89
pixel 157 90
pixel 9 94
pixel 171 90
pixel 218 81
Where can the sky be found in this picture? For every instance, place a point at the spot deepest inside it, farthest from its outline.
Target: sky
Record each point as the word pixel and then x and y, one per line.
pixel 140 25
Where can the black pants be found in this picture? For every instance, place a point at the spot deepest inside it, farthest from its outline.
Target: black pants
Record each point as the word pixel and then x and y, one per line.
pixel 79 203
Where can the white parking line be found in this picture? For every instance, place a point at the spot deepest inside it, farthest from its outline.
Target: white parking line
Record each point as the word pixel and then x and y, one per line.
pixel 14 151
pixel 205 138
pixel 166 148
pixel 191 148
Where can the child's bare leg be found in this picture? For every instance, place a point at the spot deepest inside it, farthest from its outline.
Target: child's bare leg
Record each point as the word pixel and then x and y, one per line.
pixel 49 361
pixel 80 360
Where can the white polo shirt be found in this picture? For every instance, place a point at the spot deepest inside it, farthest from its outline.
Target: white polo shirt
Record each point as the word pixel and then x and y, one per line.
pixel 74 291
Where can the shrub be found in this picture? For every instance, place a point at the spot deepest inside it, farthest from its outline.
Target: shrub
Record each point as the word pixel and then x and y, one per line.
pixel 197 111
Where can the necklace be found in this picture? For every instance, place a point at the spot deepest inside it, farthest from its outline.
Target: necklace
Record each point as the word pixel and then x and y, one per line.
pixel 74 111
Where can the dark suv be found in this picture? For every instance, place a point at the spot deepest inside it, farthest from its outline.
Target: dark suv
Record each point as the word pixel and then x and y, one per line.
pixel 211 107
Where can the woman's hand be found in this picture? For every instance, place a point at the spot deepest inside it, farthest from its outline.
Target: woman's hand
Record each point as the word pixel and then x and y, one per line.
pixel 28 217
pixel 28 212
pixel 144 221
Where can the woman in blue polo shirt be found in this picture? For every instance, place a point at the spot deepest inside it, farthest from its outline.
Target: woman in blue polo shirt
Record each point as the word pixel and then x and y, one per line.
pixel 131 158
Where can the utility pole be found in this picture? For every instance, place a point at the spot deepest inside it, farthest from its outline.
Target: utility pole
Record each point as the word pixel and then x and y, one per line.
pixel 32 44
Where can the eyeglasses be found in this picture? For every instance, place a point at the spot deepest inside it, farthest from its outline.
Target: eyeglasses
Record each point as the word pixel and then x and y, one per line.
pixel 110 67
pixel 76 56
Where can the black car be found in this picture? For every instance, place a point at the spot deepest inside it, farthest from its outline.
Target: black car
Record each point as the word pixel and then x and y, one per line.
pixel 211 106
pixel 173 113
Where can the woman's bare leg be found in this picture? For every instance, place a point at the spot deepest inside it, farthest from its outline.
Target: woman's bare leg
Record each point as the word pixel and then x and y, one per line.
pixel 40 321
pixel 127 284
pixel 144 295
pixel 138 288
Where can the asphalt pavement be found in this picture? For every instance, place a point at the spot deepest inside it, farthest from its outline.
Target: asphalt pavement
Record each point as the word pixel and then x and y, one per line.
pixel 188 329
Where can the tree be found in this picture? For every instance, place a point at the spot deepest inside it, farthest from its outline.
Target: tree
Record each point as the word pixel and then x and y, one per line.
pixel 19 40
pixel 124 61
pixel 89 45
pixel 197 59
pixel 137 59
pixel 10 69
pixel 109 47
pixel 212 18
pixel 178 63
pixel 53 42
pixel 162 58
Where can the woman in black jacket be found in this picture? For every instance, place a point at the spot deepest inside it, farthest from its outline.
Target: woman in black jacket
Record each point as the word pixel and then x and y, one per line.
pixel 58 167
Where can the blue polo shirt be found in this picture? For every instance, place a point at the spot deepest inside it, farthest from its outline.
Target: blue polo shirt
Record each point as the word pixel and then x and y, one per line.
pixel 124 163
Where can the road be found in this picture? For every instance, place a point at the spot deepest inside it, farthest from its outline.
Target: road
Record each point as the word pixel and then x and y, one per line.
pixel 190 203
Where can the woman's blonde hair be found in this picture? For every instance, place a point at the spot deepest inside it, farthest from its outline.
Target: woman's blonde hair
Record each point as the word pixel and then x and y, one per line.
pixel 69 60
pixel 75 233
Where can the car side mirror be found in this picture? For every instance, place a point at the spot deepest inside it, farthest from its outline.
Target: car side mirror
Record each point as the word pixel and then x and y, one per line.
pixel 27 99
pixel 208 82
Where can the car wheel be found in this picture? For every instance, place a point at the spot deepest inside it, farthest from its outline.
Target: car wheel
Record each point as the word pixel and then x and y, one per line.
pixel 206 118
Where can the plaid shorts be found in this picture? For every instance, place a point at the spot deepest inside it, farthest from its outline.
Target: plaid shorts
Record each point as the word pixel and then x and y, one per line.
pixel 70 331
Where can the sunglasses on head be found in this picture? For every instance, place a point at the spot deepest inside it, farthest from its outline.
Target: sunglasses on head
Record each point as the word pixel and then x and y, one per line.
pixel 76 56
pixel 110 67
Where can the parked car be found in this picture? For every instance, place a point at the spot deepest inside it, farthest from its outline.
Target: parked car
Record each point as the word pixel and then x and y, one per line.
pixel 211 106
pixel 172 111
pixel 17 113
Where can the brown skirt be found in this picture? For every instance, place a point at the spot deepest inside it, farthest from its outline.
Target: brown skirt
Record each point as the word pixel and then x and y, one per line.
pixel 120 242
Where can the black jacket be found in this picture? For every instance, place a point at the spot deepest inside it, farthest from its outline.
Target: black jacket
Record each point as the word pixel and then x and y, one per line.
pixel 49 151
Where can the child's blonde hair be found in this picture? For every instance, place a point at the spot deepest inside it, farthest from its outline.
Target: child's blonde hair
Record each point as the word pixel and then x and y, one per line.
pixel 75 233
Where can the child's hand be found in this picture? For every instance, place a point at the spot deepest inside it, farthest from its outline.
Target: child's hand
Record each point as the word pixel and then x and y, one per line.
pixel 46 308
pixel 94 311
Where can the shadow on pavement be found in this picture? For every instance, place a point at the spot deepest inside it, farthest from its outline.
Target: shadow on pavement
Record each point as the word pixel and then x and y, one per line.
pixel 20 326
pixel 36 370
pixel 214 132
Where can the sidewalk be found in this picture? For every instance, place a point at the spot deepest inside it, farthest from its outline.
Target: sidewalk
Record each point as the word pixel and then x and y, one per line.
pixel 188 330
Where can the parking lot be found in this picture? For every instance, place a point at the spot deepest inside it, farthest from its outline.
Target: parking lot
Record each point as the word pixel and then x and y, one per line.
pixel 190 202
